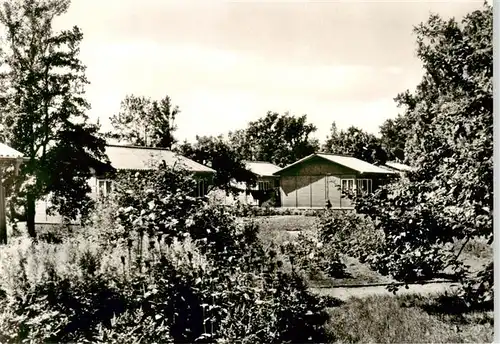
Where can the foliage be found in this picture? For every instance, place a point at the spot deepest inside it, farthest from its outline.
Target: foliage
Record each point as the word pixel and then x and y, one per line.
pixel 478 291
pixel 172 269
pixel 300 249
pixel 245 210
pixel 43 109
pixel 357 143
pixel 278 139
pixel 351 234
pixel 162 202
pixel 133 327
pixel 450 196
pixel 310 254
pixel 145 122
pixel 393 135
pixel 221 156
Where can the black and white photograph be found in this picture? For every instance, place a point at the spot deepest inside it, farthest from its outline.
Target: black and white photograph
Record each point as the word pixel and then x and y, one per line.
pixel 247 171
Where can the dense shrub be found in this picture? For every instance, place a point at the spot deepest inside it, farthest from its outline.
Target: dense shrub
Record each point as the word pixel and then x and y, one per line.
pixel 418 242
pixel 447 131
pixel 313 256
pixel 172 269
pixel 350 233
pixel 478 291
pixel 245 210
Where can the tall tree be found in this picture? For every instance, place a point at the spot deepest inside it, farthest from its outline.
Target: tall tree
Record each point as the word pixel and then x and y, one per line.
pixel 394 133
pixel 145 122
pixel 43 107
pixel 240 144
pixel 357 143
pixel 279 139
pixel 216 153
pixel 450 196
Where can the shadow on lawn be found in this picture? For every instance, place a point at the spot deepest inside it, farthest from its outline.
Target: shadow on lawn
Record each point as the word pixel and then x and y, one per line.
pixel 452 307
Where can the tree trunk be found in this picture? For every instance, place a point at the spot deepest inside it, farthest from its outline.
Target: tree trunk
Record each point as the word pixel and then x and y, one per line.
pixel 30 215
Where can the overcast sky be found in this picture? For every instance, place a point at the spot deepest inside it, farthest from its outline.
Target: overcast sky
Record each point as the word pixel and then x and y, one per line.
pixel 227 63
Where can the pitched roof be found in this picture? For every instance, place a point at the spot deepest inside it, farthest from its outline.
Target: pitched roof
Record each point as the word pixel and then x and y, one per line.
pixel 145 158
pixel 347 161
pixel 7 152
pixel 399 166
pixel 262 168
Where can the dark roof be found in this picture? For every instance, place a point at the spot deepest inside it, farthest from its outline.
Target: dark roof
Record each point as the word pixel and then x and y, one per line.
pixel 146 158
pixel 262 168
pixel 347 161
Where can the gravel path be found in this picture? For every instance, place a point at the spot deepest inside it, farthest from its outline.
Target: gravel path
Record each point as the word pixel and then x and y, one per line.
pixel 344 293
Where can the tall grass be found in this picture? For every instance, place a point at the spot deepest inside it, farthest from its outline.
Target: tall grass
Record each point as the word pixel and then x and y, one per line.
pixel 407 319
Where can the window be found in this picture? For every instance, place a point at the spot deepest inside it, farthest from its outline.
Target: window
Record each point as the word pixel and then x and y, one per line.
pixel 364 186
pixel 104 187
pixel 264 185
pixel 348 186
pixel 200 188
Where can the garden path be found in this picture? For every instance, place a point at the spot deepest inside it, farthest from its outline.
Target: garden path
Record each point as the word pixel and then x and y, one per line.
pixel 345 293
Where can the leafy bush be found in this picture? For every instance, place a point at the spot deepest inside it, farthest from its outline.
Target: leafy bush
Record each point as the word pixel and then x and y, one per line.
pixel 478 291
pixel 133 327
pixel 316 258
pixel 448 138
pixel 350 234
pixel 57 291
pixel 92 295
pixel 162 204
pixel 417 242
pixel 245 210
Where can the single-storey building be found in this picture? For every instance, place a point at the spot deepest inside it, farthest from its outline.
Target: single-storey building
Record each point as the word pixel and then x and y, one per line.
pixel 133 158
pixel 318 178
pixel 264 171
pixel 266 183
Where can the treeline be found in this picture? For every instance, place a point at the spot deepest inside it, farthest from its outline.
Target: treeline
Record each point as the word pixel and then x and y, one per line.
pixel 277 138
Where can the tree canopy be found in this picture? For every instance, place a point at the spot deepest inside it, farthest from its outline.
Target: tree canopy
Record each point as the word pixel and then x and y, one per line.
pixel 43 109
pixel 394 133
pixel 142 121
pixel 450 196
pixel 357 143
pixel 216 153
pixel 279 139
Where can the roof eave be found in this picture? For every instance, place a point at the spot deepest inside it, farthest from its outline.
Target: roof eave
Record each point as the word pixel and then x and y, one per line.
pixel 279 172
pixel 152 169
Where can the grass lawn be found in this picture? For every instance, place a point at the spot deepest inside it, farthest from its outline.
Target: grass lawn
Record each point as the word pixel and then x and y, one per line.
pixel 476 254
pixel 278 229
pixel 405 318
pixel 289 223
pixel 408 319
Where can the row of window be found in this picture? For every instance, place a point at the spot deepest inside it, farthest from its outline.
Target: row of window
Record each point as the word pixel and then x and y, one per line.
pixel 348 185
pixel 264 185
pixel 105 187
pixel 362 186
